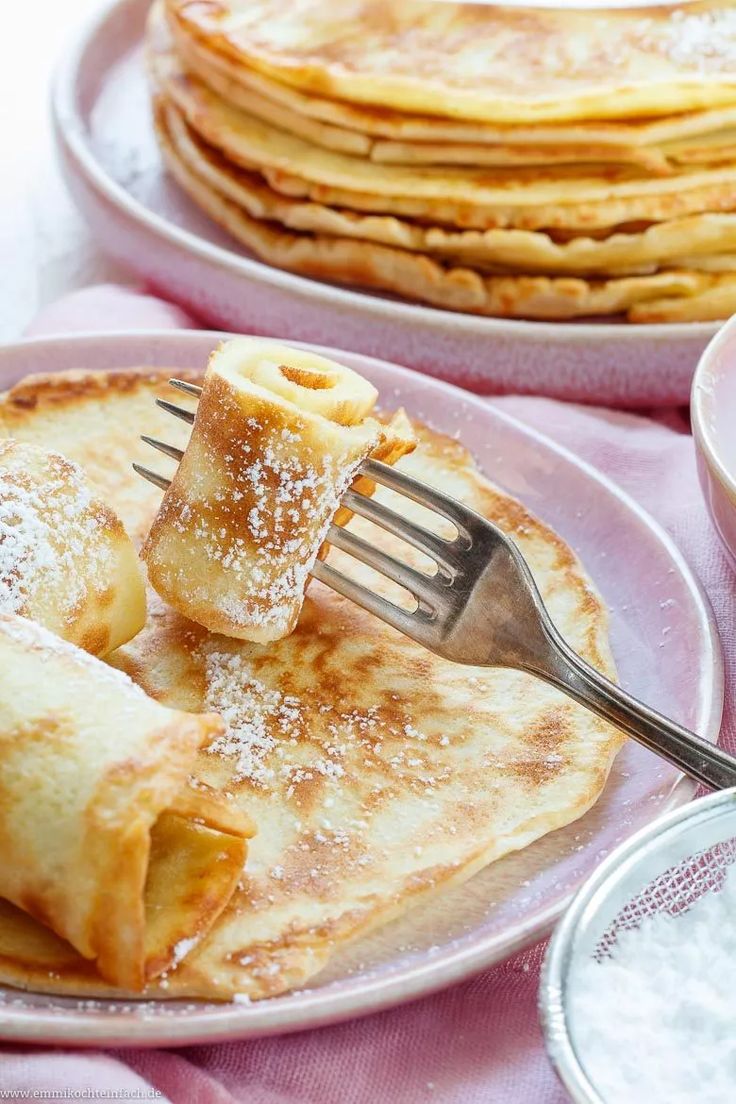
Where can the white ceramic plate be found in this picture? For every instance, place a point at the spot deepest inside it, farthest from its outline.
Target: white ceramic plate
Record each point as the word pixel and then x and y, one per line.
pixel 666 650
pixel 113 169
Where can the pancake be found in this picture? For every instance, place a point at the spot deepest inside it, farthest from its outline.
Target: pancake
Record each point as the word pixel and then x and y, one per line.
pixel 481 62
pixel 530 198
pixel 419 277
pixel 96 844
pixel 621 136
pixel 277 440
pixel 65 558
pixel 656 145
pixel 377 774
pixel 698 238
pixel 74 413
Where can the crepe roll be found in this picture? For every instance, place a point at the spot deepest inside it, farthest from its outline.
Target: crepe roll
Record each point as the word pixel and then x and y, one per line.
pixel 65 558
pixel 278 437
pixel 102 836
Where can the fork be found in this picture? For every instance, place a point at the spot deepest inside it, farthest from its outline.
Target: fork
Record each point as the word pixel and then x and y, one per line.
pixel 481 607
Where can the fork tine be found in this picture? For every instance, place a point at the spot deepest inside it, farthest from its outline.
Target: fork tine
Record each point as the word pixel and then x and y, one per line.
pixel 152 477
pixel 177 411
pixel 167 450
pixel 440 550
pixel 423 587
pixel 407 623
pixel 461 516
pixel 187 388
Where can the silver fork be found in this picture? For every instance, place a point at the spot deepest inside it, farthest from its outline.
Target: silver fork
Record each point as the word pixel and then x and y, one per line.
pixel 481 607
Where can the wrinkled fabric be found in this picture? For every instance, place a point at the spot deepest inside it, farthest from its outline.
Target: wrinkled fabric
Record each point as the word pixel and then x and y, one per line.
pixel 479 1042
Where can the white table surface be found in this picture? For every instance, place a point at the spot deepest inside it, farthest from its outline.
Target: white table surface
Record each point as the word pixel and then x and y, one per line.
pixel 45 248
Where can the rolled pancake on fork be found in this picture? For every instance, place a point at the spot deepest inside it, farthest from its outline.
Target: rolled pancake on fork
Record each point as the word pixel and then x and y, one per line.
pixel 65 558
pixel 102 836
pixel 278 437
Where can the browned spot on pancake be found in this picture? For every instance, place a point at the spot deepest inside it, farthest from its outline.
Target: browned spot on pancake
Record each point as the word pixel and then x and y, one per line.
pixel 318 862
pixel 547 741
pixel 536 771
pixel 105 598
pixel 552 731
pixel 305 790
pixel 37 907
pixel 378 797
pixel 96 638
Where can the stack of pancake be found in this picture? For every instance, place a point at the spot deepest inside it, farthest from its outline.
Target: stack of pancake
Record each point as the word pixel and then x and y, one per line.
pixel 525 163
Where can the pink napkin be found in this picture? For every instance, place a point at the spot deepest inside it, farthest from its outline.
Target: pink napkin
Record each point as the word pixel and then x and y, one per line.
pixel 479 1042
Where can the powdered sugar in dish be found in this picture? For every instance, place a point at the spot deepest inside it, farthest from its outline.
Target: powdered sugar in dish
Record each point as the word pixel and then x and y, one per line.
pixel 655 1020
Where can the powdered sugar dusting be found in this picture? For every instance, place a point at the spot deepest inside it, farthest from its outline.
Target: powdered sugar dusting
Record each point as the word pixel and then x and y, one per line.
pixel 696 40
pixel 49 527
pixel 675 972
pixel 256 717
pixel 266 524
pixel 182 949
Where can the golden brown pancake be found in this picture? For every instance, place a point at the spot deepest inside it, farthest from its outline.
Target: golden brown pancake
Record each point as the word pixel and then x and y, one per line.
pixel 421 277
pixel 96 842
pixel 654 144
pixel 472 197
pixel 355 127
pixel 701 239
pixel 376 773
pixel 65 558
pixel 507 162
pixel 277 440
pixel 483 62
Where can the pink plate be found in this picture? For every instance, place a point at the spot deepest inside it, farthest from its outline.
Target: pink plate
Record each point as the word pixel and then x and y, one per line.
pixel 667 652
pixel 113 169
pixel 713 411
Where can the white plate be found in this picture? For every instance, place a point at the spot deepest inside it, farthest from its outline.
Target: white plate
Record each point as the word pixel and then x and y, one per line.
pixel 113 169
pixel 667 652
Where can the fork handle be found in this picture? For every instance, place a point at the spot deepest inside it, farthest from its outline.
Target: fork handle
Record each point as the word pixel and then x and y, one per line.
pixel 705 762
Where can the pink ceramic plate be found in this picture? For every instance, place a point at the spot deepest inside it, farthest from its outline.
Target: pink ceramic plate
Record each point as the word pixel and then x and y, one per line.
pixel 113 169
pixel 713 412
pixel 666 649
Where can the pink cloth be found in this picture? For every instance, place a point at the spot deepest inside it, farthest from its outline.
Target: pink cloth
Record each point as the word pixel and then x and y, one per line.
pixel 479 1042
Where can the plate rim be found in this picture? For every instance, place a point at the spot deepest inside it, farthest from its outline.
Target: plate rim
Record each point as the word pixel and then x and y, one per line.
pixel 72 135
pixel 704 433
pixel 317 1008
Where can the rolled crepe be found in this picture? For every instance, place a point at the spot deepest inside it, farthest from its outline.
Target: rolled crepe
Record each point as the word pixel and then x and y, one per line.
pixel 278 437
pixel 65 558
pixel 102 837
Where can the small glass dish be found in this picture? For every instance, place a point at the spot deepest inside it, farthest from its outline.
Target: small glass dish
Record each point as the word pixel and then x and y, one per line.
pixel 666 867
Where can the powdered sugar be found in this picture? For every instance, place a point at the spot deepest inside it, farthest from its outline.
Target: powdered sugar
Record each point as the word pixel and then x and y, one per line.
pixel 696 40
pixel 50 532
pixel 264 526
pixel 255 716
pixel 654 1022
pixel 182 949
